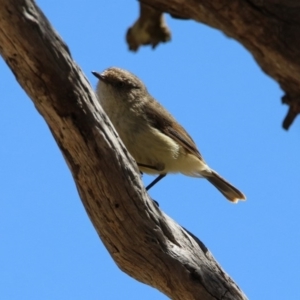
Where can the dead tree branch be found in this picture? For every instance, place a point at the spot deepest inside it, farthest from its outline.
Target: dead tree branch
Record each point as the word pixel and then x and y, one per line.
pixel 269 29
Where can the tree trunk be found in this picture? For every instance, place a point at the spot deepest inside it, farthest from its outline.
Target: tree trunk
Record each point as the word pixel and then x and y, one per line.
pixel 143 241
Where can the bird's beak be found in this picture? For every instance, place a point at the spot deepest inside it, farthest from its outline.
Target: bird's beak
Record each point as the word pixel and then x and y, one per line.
pixel 98 75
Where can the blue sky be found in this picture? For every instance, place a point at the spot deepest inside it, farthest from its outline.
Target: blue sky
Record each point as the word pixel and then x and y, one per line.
pixel 214 88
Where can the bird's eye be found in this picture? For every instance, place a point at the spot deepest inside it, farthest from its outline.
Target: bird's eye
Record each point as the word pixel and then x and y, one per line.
pixel 120 84
pixel 126 84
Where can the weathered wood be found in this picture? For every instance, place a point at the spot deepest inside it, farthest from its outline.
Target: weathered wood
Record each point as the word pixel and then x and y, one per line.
pixel 269 29
pixel 149 29
pixel 143 241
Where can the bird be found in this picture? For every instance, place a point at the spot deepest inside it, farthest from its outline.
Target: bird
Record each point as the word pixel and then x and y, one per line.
pixel 158 143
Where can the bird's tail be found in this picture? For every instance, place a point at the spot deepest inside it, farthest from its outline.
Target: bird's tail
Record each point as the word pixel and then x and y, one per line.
pixel 228 190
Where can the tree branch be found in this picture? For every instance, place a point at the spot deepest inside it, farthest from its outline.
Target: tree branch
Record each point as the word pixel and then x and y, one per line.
pixel 143 241
pixel 269 29
pixel 149 29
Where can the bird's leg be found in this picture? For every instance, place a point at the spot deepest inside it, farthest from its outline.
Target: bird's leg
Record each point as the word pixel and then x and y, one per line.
pixel 156 180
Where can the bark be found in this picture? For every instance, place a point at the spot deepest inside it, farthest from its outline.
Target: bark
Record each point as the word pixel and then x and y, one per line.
pixel 143 241
pixel 149 29
pixel 269 29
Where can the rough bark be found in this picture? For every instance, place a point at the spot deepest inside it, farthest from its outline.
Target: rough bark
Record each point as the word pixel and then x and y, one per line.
pixel 143 241
pixel 149 29
pixel 269 29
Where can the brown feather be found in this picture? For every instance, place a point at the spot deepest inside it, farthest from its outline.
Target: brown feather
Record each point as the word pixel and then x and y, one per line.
pixel 162 120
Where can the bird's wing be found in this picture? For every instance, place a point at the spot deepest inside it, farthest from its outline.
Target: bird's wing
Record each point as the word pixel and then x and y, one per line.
pixel 162 120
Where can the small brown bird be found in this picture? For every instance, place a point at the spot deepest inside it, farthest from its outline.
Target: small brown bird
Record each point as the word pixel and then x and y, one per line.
pixel 158 143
